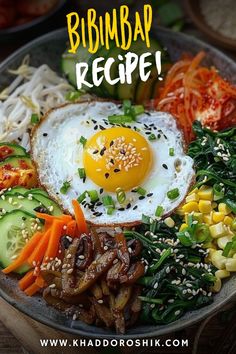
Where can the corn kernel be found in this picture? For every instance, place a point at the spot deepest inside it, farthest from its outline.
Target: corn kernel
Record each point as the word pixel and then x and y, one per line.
pixel 223 208
pixel 222 273
pixel 217 216
pixel 180 212
pixel 217 286
pixel 206 193
pixel 195 190
pixel 214 205
pixel 169 222
pixel 228 220
pixel 182 227
pixel 204 206
pixel 198 217
pixel 192 198
pixel 230 265
pixel 218 260
pixel 222 241
pixel 207 219
pixel 218 230
pixel 189 207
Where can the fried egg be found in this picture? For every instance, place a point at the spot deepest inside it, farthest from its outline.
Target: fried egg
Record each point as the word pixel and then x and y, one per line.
pixel 133 168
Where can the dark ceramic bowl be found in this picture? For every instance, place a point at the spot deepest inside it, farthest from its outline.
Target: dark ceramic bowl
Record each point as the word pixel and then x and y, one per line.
pixel 32 27
pixel 48 49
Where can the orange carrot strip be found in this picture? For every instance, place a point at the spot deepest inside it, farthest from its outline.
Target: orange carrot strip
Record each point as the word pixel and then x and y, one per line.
pixel 39 251
pixel 54 240
pixel 71 227
pixel 79 217
pixel 40 281
pixel 27 280
pixel 32 289
pixel 50 218
pixel 24 254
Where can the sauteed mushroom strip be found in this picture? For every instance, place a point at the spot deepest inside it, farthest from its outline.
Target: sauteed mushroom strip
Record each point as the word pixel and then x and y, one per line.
pixel 84 254
pixel 123 253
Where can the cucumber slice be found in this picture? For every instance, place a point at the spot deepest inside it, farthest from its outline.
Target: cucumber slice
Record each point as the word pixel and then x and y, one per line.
pixel 17 190
pixel 11 239
pixel 10 202
pixel 7 150
pixel 37 191
pixel 69 61
pixel 52 207
pixel 21 162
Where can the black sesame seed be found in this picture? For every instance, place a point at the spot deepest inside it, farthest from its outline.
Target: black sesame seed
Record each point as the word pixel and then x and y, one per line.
pixel 98 203
pixel 96 127
pixel 107 175
pixel 94 121
pixel 45 134
pixel 116 170
pixel 122 151
pixel 165 166
pixel 135 207
pixel 134 190
pixel 111 143
pixel 147 133
pixel 149 194
pixel 99 214
pixel 84 179
pixel 102 151
pixel 95 151
pixel 141 197
pixel 101 127
pixel 87 121
pixel 148 113
pixel 165 136
pixel 158 136
pixel 128 206
pixel 112 161
pixel 101 191
pixel 121 209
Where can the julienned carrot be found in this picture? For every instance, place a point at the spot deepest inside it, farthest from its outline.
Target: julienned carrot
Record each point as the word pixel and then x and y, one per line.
pixel 39 251
pixel 71 227
pixel 79 217
pixel 40 282
pixel 27 280
pixel 24 254
pixel 54 240
pixel 32 289
pixel 50 218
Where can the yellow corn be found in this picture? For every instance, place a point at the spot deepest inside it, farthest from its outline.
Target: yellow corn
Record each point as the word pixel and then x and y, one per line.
pixel 192 198
pixel 222 273
pixel 195 190
pixel 217 259
pixel 182 227
pixel 222 241
pixel 217 216
pixel 204 206
pixel 190 207
pixel 214 205
pixel 169 222
pixel 218 230
pixel 180 212
pixel 230 265
pixel 198 217
pixel 206 193
pixel 228 220
pixel 217 286
pixel 207 219
pixel 223 208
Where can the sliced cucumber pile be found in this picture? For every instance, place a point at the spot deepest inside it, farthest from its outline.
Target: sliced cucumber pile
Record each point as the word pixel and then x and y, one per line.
pixel 138 91
pixel 17 227
pixel 7 150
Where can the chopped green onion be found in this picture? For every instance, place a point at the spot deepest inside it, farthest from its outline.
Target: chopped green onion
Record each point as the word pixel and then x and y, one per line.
pixel 82 173
pixel 82 197
pixel 218 191
pixel 171 152
pixel 227 249
pixel 173 193
pixel 138 109
pixel 141 191
pixel 93 194
pixel 151 300
pixel 120 194
pixel 109 204
pixel 83 140
pixel 152 137
pixel 65 187
pixel 145 219
pixel 73 95
pixel 35 118
pixel 159 211
pixel 120 119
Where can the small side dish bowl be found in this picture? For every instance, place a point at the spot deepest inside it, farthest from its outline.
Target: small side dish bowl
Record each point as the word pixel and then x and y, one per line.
pixel 194 11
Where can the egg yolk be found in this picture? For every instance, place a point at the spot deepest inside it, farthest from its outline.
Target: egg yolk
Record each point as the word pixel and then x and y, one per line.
pixel 117 158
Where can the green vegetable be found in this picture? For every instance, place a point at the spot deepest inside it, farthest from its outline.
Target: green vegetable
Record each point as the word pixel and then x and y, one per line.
pixel 73 95
pixel 173 194
pixel 82 140
pixel 194 233
pixel 159 211
pixel 65 187
pixel 171 151
pixel 82 197
pixel 120 195
pixel 82 173
pixel 35 118
pixel 141 191
pixel 120 119
pixel 151 301
pixel 109 204
pixel 152 137
pixel 93 194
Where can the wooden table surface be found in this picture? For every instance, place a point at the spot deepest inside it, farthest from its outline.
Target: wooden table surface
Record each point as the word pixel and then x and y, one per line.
pixel 19 334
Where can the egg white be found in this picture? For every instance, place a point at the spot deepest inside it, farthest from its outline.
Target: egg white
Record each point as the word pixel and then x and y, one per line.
pixel 58 154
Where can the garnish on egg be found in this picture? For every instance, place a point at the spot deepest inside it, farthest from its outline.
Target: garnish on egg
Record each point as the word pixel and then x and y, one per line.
pixel 117 158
